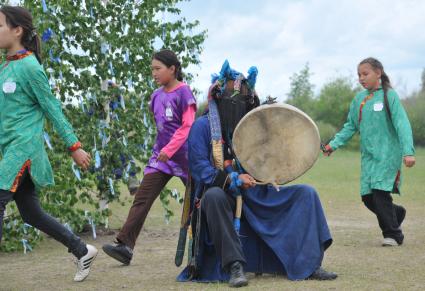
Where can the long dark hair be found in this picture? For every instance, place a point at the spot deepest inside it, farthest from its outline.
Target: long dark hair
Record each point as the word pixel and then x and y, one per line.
pixel 169 58
pixel 385 80
pixel 20 17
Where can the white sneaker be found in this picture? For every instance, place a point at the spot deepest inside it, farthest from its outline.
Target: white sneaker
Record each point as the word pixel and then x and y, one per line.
pixel 389 242
pixel 84 264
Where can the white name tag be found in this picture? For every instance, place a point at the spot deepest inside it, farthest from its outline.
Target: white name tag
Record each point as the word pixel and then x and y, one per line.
pixel 169 113
pixel 378 107
pixel 9 87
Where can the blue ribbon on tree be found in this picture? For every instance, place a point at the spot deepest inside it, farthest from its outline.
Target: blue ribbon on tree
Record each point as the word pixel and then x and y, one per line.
pixel 26 226
pixel 80 98
pixel 111 186
pixel 47 140
pixel 26 245
pixel 111 68
pixel 130 84
pixel 52 82
pixel 52 58
pixel 47 35
pixel 97 160
pixel 127 57
pixel 145 120
pixel 104 47
pixel 122 102
pixel 76 171
pixel 91 222
pixel 91 10
pixel 43 3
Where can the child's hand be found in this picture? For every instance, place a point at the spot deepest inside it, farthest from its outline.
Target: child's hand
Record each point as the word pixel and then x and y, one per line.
pixel 163 157
pixel 327 150
pixel 409 161
pixel 81 158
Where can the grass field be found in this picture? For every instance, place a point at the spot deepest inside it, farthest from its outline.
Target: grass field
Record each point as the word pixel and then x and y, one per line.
pixel 356 254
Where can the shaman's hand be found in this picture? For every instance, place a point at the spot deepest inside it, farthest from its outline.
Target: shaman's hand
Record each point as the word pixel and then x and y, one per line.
pixel 247 181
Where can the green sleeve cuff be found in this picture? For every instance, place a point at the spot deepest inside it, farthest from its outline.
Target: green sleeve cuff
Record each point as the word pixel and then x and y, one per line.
pixel 409 152
pixel 333 146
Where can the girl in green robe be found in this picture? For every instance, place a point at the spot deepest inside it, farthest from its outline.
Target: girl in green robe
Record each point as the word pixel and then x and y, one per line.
pixel 386 140
pixel 25 100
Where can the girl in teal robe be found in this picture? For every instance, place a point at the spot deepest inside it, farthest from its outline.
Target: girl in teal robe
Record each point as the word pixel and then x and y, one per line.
pixel 386 139
pixel 25 101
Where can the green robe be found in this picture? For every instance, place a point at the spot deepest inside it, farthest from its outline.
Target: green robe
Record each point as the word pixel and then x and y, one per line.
pixel 383 141
pixel 25 99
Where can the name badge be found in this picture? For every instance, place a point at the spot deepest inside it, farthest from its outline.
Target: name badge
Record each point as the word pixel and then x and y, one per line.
pixel 378 107
pixel 169 113
pixel 9 87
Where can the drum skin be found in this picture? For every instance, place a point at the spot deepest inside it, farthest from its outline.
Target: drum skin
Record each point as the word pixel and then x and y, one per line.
pixel 276 143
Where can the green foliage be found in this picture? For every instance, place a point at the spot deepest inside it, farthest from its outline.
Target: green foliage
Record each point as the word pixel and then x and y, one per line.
pixel 326 131
pixel 334 101
pixel 331 109
pixel 415 107
pixel 301 91
pixel 201 108
pixel 423 80
pixel 16 232
pixel 94 42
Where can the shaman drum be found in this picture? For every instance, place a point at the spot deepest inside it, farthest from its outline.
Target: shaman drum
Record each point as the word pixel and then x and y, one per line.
pixel 276 143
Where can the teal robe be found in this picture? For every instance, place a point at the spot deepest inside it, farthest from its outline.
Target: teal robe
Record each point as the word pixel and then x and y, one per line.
pixel 384 141
pixel 25 100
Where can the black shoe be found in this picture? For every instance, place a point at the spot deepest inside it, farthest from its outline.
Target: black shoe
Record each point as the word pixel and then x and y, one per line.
pixel 320 274
pixel 237 276
pixel 119 252
pixel 401 214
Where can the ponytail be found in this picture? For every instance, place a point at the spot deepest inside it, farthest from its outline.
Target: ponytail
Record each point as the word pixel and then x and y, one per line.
pixel 33 43
pixel 20 17
pixel 385 82
pixel 179 73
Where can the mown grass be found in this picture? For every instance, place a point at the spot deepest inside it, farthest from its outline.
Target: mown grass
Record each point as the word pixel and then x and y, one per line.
pixel 356 254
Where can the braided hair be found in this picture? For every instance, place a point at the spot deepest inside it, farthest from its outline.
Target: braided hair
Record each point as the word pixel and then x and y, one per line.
pixel 385 80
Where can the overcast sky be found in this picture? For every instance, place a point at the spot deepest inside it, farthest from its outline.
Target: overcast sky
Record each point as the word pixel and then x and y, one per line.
pixel 280 37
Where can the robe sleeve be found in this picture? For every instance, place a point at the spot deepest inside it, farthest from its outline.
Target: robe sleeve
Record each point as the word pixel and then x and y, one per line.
pixel 349 129
pixel 181 134
pixel 401 124
pixel 38 87
pixel 200 164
